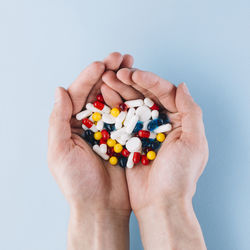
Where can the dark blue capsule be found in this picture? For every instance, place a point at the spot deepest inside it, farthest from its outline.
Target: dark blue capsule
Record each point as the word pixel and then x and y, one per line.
pixel 109 127
pixel 145 142
pixel 88 132
pixel 138 127
pixel 154 145
pixel 164 118
pixel 152 125
pixel 123 161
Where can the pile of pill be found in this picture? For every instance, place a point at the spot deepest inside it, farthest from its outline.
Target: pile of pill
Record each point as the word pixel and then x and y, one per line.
pixel 125 135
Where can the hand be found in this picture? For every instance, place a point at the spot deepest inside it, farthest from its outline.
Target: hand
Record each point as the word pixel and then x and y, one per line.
pixel 96 191
pixel 162 191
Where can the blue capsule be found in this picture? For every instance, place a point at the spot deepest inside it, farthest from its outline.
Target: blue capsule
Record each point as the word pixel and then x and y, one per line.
pixel 109 127
pixel 145 142
pixel 89 137
pixel 164 118
pixel 138 126
pixel 152 125
pixel 123 161
pixel 154 145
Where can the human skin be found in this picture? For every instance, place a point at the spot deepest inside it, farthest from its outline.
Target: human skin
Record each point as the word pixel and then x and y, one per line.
pixel 161 193
pixel 96 191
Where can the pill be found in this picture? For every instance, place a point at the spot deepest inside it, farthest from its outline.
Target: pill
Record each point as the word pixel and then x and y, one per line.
pixel 97 149
pixel 84 127
pixel 150 104
pixel 144 160
pixel 105 134
pixel 146 134
pixel 160 137
pixel 99 98
pixel 131 124
pixel 118 148
pixel 145 142
pixel 154 144
pixel 119 119
pixel 117 133
pixel 144 113
pixel 123 107
pixel 122 161
pixel 108 118
pixel 154 114
pixel 153 124
pixel 136 157
pixel 98 136
pixel 130 114
pixel 90 106
pixel 91 119
pixel 123 138
pixel 89 124
pixel 111 152
pixel 101 106
pixel 163 128
pixel 109 127
pixel 102 141
pixel 155 107
pixel 134 103
pixel 113 160
pixel 96 116
pixel 151 155
pixel 83 114
pixel 115 112
pixel 111 142
pixel 138 126
pixel 125 152
pixel 130 162
pixel 103 148
pixel 100 125
pixel 145 125
pixel 133 144
pixel 164 118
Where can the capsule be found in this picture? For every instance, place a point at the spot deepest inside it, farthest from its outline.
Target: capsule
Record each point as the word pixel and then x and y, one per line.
pixel 89 124
pixel 146 134
pixel 130 162
pixel 163 128
pixel 101 106
pixel 125 152
pixel 105 134
pixel 152 125
pixel 144 160
pixel 109 127
pixel 99 98
pixel 138 126
pixel 131 124
pixel 122 161
pixel 151 104
pixel 83 114
pixel 123 107
pixel 136 157
pixel 134 103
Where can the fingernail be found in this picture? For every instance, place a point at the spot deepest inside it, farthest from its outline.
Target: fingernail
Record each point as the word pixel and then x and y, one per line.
pixel 57 95
pixel 185 89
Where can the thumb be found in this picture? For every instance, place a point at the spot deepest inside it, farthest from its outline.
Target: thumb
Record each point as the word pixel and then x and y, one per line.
pixel 192 123
pixel 59 125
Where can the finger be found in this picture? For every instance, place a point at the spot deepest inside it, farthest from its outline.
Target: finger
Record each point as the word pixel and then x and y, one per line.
pixel 161 88
pixel 127 62
pixel 80 88
pixel 113 61
pixel 59 127
pixel 111 97
pixel 192 124
pixel 127 92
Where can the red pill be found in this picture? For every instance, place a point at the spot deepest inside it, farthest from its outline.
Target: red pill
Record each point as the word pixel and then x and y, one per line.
pixel 125 152
pixel 99 98
pixel 136 157
pixel 144 160
pixel 98 105
pixel 105 134
pixel 155 107
pixel 123 107
pixel 87 122
pixel 111 152
pixel 144 133
pixel 102 141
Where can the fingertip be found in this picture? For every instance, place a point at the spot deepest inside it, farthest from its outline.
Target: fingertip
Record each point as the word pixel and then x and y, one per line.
pixel 113 61
pixel 128 61
pixel 125 75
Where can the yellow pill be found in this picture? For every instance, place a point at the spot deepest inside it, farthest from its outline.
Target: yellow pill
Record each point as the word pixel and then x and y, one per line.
pixel 160 137
pixel 118 148
pixel 98 135
pixel 111 143
pixel 113 160
pixel 115 112
pixel 96 117
pixel 151 155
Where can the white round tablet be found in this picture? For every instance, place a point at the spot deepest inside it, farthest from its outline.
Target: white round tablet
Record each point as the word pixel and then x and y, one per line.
pixel 133 144
pixel 144 113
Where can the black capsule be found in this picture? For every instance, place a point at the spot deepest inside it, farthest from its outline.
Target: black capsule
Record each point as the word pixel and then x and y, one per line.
pixel 109 127
pixel 145 142
pixel 123 161
pixel 154 145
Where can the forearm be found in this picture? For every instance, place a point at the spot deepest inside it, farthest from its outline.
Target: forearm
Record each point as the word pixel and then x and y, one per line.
pixel 170 226
pixel 102 230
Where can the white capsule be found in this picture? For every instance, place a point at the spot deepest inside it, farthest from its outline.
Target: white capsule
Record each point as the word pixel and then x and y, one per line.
pixel 119 119
pixel 144 113
pixel 97 149
pixel 125 136
pixel 152 135
pixel 90 106
pixel 130 114
pixel 100 125
pixel 134 144
pixel 148 102
pixel 117 133
pixel 130 162
pixel 84 127
pixel 103 148
pixel 83 114
pixel 155 114
pixel 131 124
pixel 134 103
pixel 163 128
pixel 91 119
pixel 108 118
pixel 93 128
pixel 106 109
pixel 145 125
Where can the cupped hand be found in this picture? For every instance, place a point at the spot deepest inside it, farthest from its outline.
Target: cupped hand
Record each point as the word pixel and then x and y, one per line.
pixel 87 182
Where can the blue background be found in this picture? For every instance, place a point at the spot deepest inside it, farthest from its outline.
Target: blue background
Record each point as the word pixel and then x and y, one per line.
pixel 44 44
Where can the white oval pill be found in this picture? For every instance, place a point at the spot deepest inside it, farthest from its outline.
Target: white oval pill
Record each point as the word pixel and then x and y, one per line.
pixel 90 106
pixel 119 119
pixel 130 114
pixel 100 125
pixel 163 128
pixel 130 162
pixel 133 144
pixel 83 114
pixel 108 118
pixel 134 103
pixel 131 124
pixel 148 102
pixel 154 114
pixel 144 113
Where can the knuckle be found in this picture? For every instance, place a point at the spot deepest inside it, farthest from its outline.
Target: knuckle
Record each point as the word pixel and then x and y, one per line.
pixel 98 65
